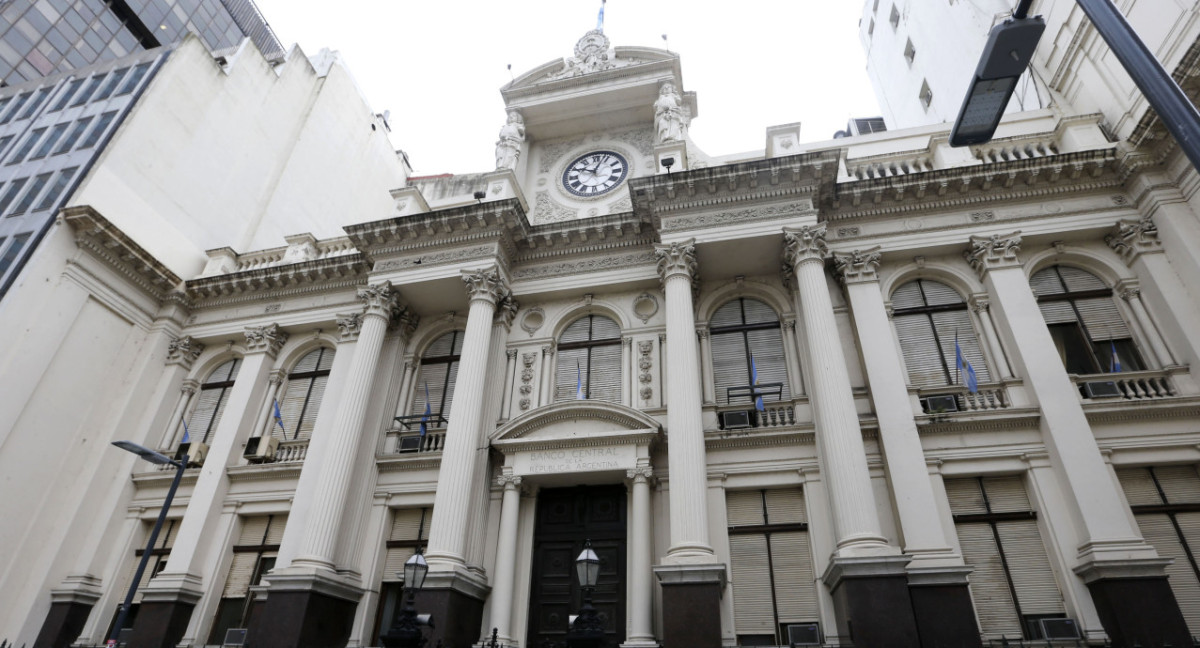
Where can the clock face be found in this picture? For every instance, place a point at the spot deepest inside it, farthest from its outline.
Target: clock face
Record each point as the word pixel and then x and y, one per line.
pixel 595 173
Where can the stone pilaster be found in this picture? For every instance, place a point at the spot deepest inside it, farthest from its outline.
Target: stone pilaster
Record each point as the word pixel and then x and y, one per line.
pixel 506 558
pixel 640 587
pixel 981 306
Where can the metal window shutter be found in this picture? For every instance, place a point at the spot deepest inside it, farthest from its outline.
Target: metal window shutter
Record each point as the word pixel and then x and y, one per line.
pixel 275 530
pixel 1160 533
pixel 570 369
pixel 577 331
pixel 1180 483
pixel 1102 319
pixel 290 407
pixel 989 587
pixel 758 312
pixel 226 372
pixel 728 315
pixel 939 294
pixel 1057 312
pixel 1046 282
pixel 729 364
pixel 393 563
pixel 744 508
pixel 1006 494
pixel 795 584
pixel 767 347
pixel 241 573
pixel 254 530
pixel 442 346
pixel 753 612
pixel 1139 487
pixel 407 524
pixel 205 416
pixel 965 496
pixel 604 328
pixel 604 374
pixel 309 362
pixel 450 384
pixel 907 296
pixel 1029 567
pixel 314 407
pixel 920 351
pixel 785 506
pixel 959 322
pixel 1078 280
pixel 432 376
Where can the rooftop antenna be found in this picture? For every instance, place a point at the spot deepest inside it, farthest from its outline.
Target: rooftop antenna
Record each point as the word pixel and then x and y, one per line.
pixel 665 43
pixel 510 75
pixel 600 18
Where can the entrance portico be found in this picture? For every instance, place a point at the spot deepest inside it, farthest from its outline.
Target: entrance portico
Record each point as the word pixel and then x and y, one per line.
pixel 569 447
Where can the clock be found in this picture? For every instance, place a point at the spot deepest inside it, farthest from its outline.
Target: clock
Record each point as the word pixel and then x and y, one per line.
pixel 595 173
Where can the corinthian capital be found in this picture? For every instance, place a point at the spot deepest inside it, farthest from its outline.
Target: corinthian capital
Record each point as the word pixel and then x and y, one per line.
pixel 183 351
pixel 858 265
pixel 267 339
pixel 1132 238
pixel 805 244
pixel 996 251
pixel 380 299
pixel 486 284
pixel 349 325
pixel 676 259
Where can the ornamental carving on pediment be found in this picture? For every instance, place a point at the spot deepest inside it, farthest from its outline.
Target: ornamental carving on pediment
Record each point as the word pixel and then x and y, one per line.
pixel 183 351
pixel 1131 238
pixel 549 210
pixel 485 284
pixel 676 258
pixel 857 265
pixel 995 251
pixel 806 243
pixel 551 152
pixel 267 339
pixel 740 216
pixel 591 55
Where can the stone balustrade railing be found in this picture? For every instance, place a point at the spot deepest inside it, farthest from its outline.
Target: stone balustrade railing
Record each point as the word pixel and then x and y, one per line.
pixel 401 441
pixel 276 256
pixel 1128 385
pixel 1015 149
pixel 951 400
pixel 889 166
pixel 291 451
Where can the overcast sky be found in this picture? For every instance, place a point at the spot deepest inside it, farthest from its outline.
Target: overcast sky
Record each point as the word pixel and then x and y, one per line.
pixel 438 66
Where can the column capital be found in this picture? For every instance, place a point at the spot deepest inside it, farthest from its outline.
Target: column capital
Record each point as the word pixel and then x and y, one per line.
pixel 380 299
pixel 511 354
pixel 1131 238
pixel 640 475
pixel 805 243
pixel 349 326
pixel 1129 289
pixel 857 266
pixel 677 258
pixel 509 482
pixel 978 303
pixel 987 253
pixel 189 386
pixel 267 339
pixel 183 351
pixel 276 376
pixel 486 284
pixel 701 333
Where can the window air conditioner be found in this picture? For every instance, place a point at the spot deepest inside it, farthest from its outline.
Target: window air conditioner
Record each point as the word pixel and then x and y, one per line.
pixel 195 451
pixel 234 637
pixel 940 404
pixel 803 634
pixel 261 448
pixel 735 419
pixel 1101 389
pixel 1059 629
pixel 409 444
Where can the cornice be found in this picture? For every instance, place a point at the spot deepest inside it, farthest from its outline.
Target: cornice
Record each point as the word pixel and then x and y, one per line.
pixel 996 421
pixel 321 274
pixel 759 438
pixel 479 221
pixel 387 463
pixel 1123 411
pixel 109 244
pixel 264 472
pixel 541 85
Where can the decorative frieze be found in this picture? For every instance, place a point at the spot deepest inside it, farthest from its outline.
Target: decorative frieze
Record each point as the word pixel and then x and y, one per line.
pixel 583 266
pixel 486 284
pixel 995 251
pixel 806 243
pixel 749 215
pixel 676 258
pixel 267 339
pixel 1132 238
pixel 442 257
pixel 183 351
pixel 858 265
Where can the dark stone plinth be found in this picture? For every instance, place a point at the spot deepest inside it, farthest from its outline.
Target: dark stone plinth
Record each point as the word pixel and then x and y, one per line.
pixel 160 624
pixel 63 623
pixel 1139 610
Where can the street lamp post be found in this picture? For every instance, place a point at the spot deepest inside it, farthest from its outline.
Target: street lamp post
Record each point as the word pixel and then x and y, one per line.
pixel 406 631
pixel 162 460
pixel 588 629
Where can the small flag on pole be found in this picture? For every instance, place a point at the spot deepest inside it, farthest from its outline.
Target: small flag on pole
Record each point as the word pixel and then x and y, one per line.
pixel 600 18
pixel 1114 365
pixel 187 436
pixel 758 401
pixel 279 417
pixel 965 367
pixel 579 395
pixel 425 416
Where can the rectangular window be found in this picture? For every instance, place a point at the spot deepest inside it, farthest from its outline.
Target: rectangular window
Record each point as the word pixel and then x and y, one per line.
pixel 72 88
pixel 36 103
pixel 926 95
pixel 88 90
pixel 98 131
pixel 110 86
pixel 134 79
pixel 910 52
pixel 253 556
pixel 16 107
pixel 894 17
pixel 14 250
pixel 10 194
pixel 27 146
pixel 4 142
pixel 73 136
pixel 35 188
pixel 50 141
pixel 410 528
pixel 4 104
pixel 57 189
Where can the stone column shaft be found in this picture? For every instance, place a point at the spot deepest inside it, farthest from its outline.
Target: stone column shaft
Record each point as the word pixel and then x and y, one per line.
pixel 545 387
pixel 506 559
pixel 640 588
pixel 707 380
pixel 510 377
pixel 178 414
pixel 983 312
pixel 628 369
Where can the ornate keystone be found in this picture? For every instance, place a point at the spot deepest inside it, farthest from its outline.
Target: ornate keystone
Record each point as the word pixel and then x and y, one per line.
pixel 1132 238
pixel 267 339
pixel 486 284
pixel 805 244
pixel 676 259
pixel 996 251
pixel 350 326
pixel 183 351
pixel 380 299
pixel 858 265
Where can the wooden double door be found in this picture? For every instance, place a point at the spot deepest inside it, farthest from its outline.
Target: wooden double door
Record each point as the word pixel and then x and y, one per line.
pixel 566 519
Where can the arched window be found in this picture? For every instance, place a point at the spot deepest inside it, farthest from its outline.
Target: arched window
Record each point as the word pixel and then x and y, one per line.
pixel 929 316
pixel 214 393
pixel 1084 321
pixel 589 360
pixel 302 398
pixel 439 371
pixel 739 330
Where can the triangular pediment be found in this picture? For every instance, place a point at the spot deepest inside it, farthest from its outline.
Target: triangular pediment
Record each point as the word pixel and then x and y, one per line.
pixel 593 58
pixel 578 421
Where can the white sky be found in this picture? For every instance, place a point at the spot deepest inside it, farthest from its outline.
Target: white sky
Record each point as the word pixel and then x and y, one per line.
pixel 438 66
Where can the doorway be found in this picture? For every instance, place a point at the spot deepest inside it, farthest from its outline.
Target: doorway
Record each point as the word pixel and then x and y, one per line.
pixel 566 518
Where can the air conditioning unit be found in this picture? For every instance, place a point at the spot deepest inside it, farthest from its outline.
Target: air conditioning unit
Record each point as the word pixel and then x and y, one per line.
pixel 409 444
pixel 940 404
pixel 735 419
pixel 1101 389
pixel 261 448
pixel 803 634
pixel 234 637
pixel 1059 629
pixel 195 451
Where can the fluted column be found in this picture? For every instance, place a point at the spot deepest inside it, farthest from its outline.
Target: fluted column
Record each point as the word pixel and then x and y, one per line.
pixel 506 558
pixel 839 438
pixel 319 545
pixel 685 428
pixel 640 587
pixel 447 533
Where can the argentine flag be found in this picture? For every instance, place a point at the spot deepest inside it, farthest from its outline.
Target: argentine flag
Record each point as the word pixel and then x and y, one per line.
pixel 965 367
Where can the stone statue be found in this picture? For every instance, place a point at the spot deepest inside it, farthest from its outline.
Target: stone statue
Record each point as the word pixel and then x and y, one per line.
pixel 668 115
pixel 508 147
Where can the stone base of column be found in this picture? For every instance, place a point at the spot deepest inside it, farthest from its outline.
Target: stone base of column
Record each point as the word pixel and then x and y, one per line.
pixel 942 607
pixel 161 624
pixel 63 623
pixel 691 604
pixel 1135 603
pixel 304 611
pixel 455 599
pixel 871 601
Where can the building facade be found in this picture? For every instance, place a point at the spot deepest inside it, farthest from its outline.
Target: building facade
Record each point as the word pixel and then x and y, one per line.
pixel 874 391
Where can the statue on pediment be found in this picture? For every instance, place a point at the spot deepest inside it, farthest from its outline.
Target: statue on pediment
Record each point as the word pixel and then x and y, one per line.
pixel 591 55
pixel 508 147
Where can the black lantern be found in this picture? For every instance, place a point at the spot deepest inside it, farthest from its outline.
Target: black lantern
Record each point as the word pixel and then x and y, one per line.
pixel 406 631
pixel 588 629
pixel 415 569
pixel 587 566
